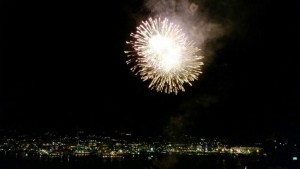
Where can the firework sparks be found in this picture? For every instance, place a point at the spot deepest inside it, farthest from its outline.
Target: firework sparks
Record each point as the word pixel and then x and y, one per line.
pixel 163 55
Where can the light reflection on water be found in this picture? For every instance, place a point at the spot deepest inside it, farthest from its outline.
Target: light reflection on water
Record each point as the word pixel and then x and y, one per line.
pixel 32 161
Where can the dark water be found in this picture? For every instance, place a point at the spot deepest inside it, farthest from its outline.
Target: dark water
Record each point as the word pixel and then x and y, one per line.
pixel 166 162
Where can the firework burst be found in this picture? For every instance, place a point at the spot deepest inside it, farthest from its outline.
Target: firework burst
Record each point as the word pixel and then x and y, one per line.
pixel 162 54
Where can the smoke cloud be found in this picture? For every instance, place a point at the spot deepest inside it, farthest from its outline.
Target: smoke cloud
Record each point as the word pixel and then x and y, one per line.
pixel 194 19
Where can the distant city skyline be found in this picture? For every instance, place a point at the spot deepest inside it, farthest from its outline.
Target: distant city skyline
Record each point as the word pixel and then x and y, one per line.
pixel 63 67
pixel 121 144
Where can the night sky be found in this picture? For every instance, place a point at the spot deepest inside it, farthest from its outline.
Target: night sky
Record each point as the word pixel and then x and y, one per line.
pixel 63 67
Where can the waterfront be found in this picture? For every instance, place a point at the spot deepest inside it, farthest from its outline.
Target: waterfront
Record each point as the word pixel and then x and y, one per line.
pixel 125 151
pixel 17 161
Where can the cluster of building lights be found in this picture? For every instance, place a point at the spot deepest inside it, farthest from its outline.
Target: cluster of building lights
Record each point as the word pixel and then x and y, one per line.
pixel 113 147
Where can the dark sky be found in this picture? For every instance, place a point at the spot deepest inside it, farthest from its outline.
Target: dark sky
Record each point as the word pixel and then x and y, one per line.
pixel 63 67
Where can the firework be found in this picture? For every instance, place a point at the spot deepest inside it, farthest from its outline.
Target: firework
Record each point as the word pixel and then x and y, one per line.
pixel 162 54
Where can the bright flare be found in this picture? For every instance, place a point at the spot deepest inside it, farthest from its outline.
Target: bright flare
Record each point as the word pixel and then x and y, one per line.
pixel 166 53
pixel 163 55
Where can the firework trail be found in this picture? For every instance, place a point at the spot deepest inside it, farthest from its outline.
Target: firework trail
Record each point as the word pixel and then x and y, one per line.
pixel 162 54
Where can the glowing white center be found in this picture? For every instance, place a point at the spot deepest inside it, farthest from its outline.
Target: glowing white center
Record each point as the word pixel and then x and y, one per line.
pixel 167 52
